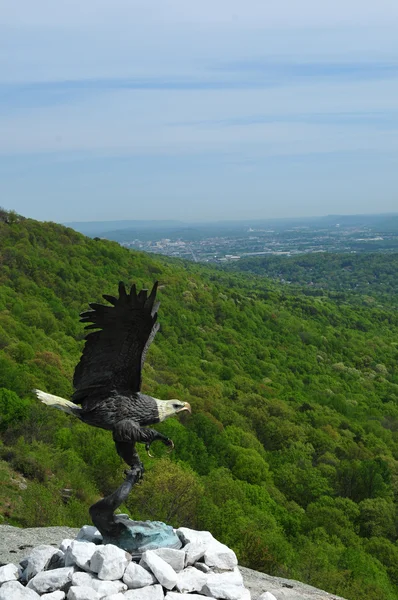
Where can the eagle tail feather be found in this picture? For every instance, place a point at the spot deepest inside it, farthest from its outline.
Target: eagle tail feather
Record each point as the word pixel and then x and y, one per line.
pixel 58 402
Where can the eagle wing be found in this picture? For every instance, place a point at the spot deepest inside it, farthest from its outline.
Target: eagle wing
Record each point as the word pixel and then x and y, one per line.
pixel 114 355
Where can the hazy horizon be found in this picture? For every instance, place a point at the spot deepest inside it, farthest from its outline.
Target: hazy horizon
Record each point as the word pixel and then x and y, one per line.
pixel 171 220
pixel 198 111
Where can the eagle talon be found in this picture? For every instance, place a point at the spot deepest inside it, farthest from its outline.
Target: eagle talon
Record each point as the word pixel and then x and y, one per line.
pixel 170 444
pixel 148 450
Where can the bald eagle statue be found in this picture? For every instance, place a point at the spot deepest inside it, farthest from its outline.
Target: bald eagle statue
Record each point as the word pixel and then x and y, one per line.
pixel 107 380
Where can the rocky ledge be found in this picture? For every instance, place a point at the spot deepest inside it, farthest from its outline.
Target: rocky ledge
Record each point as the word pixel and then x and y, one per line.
pixel 46 564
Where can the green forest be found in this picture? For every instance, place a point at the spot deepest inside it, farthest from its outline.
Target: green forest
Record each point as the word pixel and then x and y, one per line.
pixel 374 274
pixel 291 454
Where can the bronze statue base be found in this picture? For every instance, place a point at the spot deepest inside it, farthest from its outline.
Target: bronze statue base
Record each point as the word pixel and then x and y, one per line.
pixel 133 536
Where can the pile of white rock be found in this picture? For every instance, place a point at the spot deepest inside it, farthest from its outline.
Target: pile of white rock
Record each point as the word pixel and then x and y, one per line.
pixel 85 569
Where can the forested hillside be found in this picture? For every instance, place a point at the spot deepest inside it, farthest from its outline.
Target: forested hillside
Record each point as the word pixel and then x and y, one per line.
pixel 373 274
pixel 290 456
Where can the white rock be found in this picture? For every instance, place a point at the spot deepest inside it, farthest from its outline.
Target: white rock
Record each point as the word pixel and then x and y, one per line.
pixel 80 553
pixel 38 560
pixel 57 561
pixel 8 573
pixel 106 588
pixel 202 567
pixel 191 580
pixel 136 576
pixel 82 592
pixel 195 551
pixel 175 558
pixel 89 533
pixel 109 562
pixel 13 590
pixel 50 581
pixel 163 572
pixel 175 596
pixel 80 578
pixel 115 597
pixel 267 596
pixel 58 595
pixel 151 592
pixel 226 591
pixel 187 535
pixel 226 578
pixel 220 556
pixel 65 544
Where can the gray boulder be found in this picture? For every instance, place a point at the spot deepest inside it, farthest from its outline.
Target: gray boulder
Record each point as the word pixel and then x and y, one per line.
pixel 175 596
pixel 109 562
pixel 8 573
pixel 175 558
pixel 191 580
pixel 135 576
pixel 152 592
pixel 80 553
pixel 89 533
pixel 39 560
pixel 50 581
pixel 163 572
pixel 83 592
pixel 13 590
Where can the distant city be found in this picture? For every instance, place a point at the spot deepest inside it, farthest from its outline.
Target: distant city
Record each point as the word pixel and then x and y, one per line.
pixel 229 241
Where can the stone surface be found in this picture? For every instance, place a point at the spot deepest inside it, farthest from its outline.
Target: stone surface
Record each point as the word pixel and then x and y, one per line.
pixel 50 581
pixel 226 591
pixel 220 556
pixel 175 558
pixel 106 588
pixel 191 535
pixel 109 562
pixel 16 543
pixel 175 596
pixel 58 595
pixel 191 580
pixel 282 589
pixel 227 577
pixel 103 587
pixel 139 536
pixel 202 567
pixel 89 533
pixel 38 560
pixel 115 597
pixel 195 551
pixel 80 553
pixel 152 592
pixel 82 593
pixel 57 560
pixel 13 590
pixel 64 545
pixel 267 596
pixel 163 572
pixel 80 578
pixel 135 576
pixel 8 573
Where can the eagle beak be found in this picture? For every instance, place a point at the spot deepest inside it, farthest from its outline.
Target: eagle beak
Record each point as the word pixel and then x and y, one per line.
pixel 186 406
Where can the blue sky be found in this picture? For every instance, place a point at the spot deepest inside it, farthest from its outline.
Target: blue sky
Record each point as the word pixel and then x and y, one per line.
pixel 198 111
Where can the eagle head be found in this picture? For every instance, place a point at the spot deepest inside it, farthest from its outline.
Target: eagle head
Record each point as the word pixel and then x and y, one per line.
pixel 168 408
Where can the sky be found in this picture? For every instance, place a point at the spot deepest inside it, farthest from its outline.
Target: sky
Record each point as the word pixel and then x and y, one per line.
pixel 177 109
